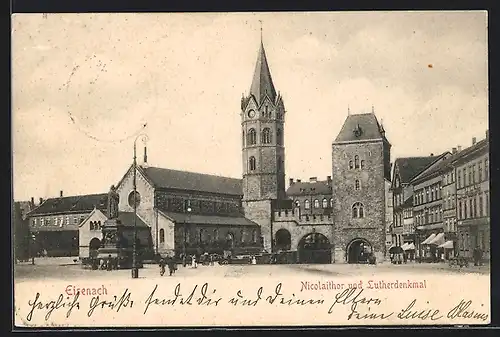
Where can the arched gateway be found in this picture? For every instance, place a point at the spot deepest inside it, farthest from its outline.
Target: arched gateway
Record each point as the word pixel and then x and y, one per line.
pixel 94 246
pixel 314 248
pixel 358 250
pixel 283 239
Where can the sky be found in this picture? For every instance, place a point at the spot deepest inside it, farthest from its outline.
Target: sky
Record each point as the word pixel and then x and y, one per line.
pixel 84 85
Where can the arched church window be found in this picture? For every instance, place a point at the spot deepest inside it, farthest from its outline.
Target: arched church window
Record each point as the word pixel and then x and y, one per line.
pixel 297 203
pixel 266 136
pixel 252 137
pixel 267 112
pixel 316 203
pixel 307 204
pixel 162 235
pixel 279 137
pixel 252 163
pixel 254 236
pixel 351 166
pixel 331 202
pixel 356 184
pixel 358 210
pixel 216 234
pixel 201 235
pixel 243 137
pixel 356 161
pixel 362 164
pixel 325 203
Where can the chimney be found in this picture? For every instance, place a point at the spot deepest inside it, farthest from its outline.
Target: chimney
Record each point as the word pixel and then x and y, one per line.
pixel 473 140
pixel 459 148
pixel 298 180
pixel 291 181
pixel 432 154
pixel 41 200
pixel 313 179
pixel 60 194
pixel 454 150
pixel 329 180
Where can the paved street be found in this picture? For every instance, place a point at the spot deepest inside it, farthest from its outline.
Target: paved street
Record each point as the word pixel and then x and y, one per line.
pixel 67 269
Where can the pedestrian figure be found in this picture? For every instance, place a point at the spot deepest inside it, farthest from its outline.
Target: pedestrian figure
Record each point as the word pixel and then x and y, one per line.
pixel 162 267
pixel 405 257
pixel 184 260
pixel 211 259
pixel 109 265
pixel 171 266
pixel 475 256
pixel 254 260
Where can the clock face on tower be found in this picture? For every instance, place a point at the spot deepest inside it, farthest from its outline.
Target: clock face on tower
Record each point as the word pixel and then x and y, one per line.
pixel 251 113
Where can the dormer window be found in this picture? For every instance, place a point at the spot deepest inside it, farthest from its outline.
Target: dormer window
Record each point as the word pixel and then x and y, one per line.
pixel 357 131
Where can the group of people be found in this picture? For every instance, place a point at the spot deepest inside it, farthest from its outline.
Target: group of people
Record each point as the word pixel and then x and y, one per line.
pixel 170 262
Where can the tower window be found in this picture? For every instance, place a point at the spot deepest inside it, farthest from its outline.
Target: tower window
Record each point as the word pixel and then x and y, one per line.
pixel 356 161
pixel 252 137
pixel 325 203
pixel 279 137
pixel 362 164
pixel 358 210
pixel 266 136
pixel 351 166
pixel 331 202
pixel 252 163
pixel 307 204
pixel 356 184
pixel 316 203
pixel 267 112
pixel 243 137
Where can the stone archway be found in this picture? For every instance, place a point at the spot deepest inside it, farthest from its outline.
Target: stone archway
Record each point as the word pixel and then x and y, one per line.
pixel 94 246
pixel 283 239
pixel 358 250
pixel 314 248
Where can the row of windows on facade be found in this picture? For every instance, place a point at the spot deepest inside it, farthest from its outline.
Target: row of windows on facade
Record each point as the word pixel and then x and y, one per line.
pixel 468 208
pixel 95 225
pixel 465 244
pixel 428 216
pixel 201 206
pixel 470 173
pixel 265 137
pixel 57 221
pixel 316 204
pixel 204 236
pixel 450 225
pixel 252 163
pixel 427 194
pixel 356 164
pixel 267 113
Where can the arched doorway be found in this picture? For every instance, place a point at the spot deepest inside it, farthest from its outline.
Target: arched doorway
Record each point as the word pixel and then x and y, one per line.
pixel 314 248
pixel 94 246
pixel 358 251
pixel 283 239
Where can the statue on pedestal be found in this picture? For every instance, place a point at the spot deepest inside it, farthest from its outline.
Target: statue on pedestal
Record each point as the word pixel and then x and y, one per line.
pixel 113 202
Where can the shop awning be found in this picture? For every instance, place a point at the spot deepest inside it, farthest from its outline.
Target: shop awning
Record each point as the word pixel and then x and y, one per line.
pixel 447 245
pixel 404 246
pixel 438 240
pixel 429 239
pixel 410 246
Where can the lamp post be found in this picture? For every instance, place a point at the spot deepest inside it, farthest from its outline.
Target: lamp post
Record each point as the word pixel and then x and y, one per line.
pixel 187 209
pixel 135 269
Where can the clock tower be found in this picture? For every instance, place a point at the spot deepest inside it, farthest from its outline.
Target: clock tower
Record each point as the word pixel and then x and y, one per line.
pixel 263 150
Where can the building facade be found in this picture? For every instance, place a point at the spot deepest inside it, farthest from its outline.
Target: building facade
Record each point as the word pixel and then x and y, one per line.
pixel 360 169
pixel 403 171
pixel 312 197
pixel 473 199
pixel 54 223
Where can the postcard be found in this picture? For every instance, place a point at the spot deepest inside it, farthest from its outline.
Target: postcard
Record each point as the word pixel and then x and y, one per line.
pixel 250 169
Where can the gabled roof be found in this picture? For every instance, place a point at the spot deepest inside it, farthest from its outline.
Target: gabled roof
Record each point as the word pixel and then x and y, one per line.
pixel 309 188
pixel 409 167
pixel 468 151
pixel 434 167
pixel 184 180
pixel 72 204
pixel 201 219
pixel 262 83
pixel 366 123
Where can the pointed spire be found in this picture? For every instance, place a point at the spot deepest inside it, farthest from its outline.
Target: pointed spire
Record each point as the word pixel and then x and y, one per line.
pixel 262 82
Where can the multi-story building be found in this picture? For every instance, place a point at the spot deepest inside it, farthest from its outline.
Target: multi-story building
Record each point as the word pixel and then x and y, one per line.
pixel 312 197
pixel 405 169
pixel 55 222
pixel 21 236
pixel 389 215
pixel 473 198
pixel 428 208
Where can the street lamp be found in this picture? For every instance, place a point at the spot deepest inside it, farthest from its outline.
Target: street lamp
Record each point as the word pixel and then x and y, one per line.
pixel 135 269
pixel 187 209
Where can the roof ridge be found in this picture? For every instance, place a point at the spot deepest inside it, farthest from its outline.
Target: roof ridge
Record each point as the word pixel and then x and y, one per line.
pixel 193 172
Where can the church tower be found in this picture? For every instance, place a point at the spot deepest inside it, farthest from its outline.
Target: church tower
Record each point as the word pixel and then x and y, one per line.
pixel 262 122
pixel 263 150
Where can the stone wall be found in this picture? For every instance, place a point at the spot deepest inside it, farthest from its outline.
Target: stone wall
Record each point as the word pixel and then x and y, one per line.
pixel 260 212
pixel 371 194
